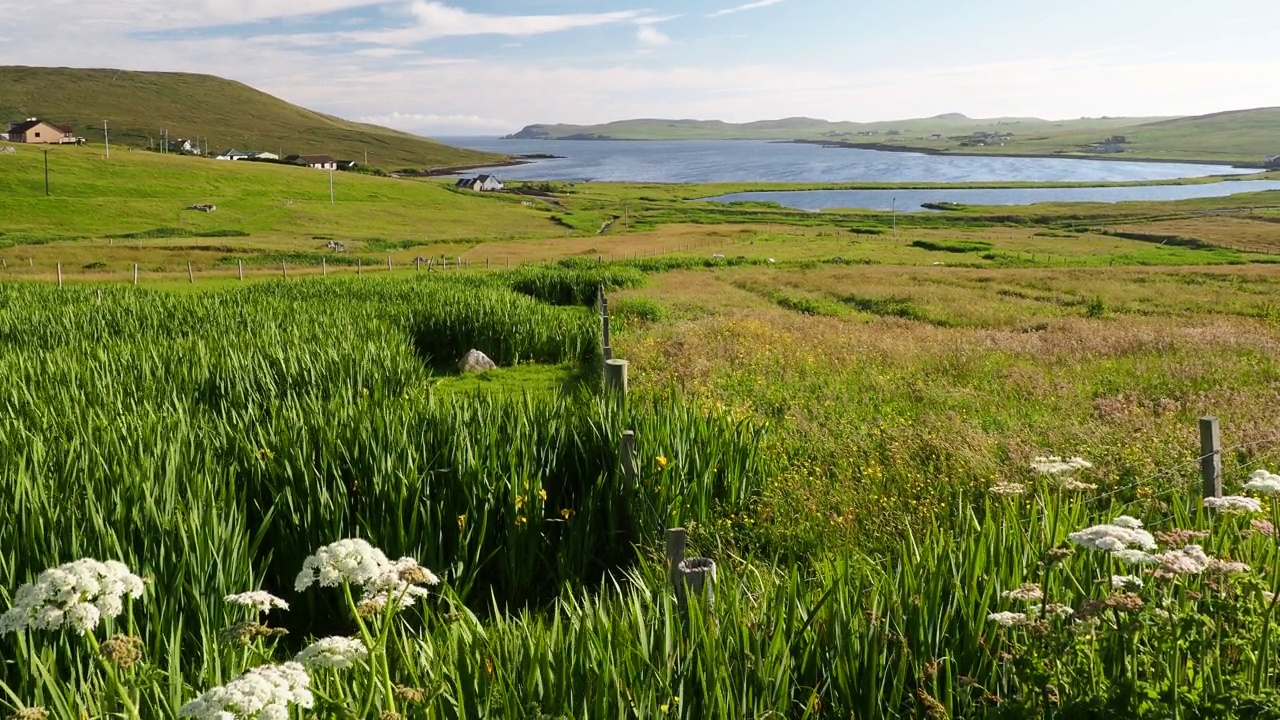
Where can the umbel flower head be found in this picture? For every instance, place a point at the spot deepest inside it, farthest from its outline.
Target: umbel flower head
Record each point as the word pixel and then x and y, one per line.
pixel 259 600
pixel 358 563
pixel 1055 465
pixel 78 595
pixel 1233 504
pixel 1124 533
pixel 263 693
pixel 1262 482
pixel 333 652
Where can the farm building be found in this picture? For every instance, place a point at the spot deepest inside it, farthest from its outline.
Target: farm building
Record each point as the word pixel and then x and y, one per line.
pixel 1272 162
pixel 35 130
pixel 233 154
pixel 319 162
pixel 481 183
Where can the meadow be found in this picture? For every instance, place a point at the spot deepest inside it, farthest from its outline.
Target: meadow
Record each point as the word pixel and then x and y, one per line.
pixel 855 424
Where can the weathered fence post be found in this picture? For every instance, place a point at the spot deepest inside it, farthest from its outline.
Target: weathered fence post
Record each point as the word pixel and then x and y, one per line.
pixel 191 275
pixel 59 274
pixel 1211 456
pixel 630 471
pixel 135 274
pixel 359 265
pixel 324 267
pixel 417 264
pixel 606 342
pixel 388 263
pixel 615 377
pixel 239 268
pixel 676 538
pixel 284 270
pixel 698 575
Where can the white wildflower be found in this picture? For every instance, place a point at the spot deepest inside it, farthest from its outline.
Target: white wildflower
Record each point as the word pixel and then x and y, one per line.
pixel 1007 489
pixel 1053 609
pixel 352 561
pixel 1127 522
pixel 1262 482
pixel 358 563
pixel 1121 582
pixel 1189 560
pixel 1058 466
pixel 1026 593
pixel 1112 538
pixel 333 652
pixel 259 600
pixel 1073 485
pixel 78 594
pixel 1233 504
pixel 1227 567
pixel 1134 557
pixel 1010 619
pixel 263 693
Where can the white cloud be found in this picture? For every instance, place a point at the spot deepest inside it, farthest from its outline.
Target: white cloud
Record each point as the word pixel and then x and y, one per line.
pixel 651 36
pixel 742 8
pixel 432 123
pixel 437 20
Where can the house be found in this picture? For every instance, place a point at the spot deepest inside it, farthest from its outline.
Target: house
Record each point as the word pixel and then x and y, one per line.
pixel 1272 162
pixel 481 183
pixel 935 136
pixel 1116 140
pixel 263 156
pixel 348 164
pixel 35 130
pixel 234 154
pixel 319 162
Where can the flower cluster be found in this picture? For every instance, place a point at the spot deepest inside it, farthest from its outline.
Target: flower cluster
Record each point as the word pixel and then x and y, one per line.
pixel 1005 489
pixel 259 600
pixel 78 594
pixel 1262 482
pixel 1233 504
pixel 1055 465
pixel 360 564
pixel 263 693
pixel 1114 537
pixel 1026 593
pixel 333 652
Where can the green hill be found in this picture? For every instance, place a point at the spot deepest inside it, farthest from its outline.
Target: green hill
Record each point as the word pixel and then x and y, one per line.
pixel 1238 136
pixel 222 113
pixel 802 128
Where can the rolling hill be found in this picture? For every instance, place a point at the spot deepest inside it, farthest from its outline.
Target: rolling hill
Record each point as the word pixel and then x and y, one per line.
pixel 802 128
pixel 223 113
pixel 1239 136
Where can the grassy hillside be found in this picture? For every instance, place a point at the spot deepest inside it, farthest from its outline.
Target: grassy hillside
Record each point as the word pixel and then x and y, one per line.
pixel 811 129
pixel 1239 136
pixel 222 112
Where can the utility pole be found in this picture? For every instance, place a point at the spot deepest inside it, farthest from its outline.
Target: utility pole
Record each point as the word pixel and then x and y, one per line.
pixel 46 173
pixel 330 186
pixel 626 214
pixel 106 139
pixel 366 157
pixel 895 216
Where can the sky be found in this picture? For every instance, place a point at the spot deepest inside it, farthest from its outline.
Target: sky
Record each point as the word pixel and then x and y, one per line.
pixel 490 67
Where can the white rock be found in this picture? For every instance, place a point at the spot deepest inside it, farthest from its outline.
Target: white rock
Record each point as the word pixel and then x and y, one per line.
pixel 476 362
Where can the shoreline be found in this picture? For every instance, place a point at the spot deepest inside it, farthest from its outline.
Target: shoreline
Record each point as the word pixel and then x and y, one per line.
pixel 884 147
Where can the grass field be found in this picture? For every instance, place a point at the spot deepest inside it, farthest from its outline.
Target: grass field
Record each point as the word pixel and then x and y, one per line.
pixel 846 419
pixel 223 114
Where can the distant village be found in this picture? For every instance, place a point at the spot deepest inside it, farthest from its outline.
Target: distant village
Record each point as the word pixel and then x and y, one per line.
pixel 41 131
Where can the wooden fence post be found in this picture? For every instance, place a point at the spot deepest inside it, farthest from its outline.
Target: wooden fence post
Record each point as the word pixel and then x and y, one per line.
pixel 284 270
pixel 698 575
pixel 1211 456
pixel 606 342
pixel 615 377
pixel 191 276
pixel 630 470
pixel 388 263
pixel 324 267
pixel 676 538
pixel 59 274
pixel 359 265
pixel 135 274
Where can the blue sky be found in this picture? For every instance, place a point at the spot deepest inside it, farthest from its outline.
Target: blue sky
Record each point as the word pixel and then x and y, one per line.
pixel 491 66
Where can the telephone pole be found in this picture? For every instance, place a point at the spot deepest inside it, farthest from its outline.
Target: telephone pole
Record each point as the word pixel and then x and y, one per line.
pixel 106 139
pixel 46 173
pixel 330 186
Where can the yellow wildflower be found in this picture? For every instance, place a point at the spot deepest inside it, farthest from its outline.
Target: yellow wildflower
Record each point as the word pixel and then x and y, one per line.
pixel 521 521
pixel 519 501
pixel 462 522
pixel 542 495
pixel 566 513
pixel 662 461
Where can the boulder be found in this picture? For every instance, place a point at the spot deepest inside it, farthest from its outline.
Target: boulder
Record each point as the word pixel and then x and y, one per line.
pixel 476 362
